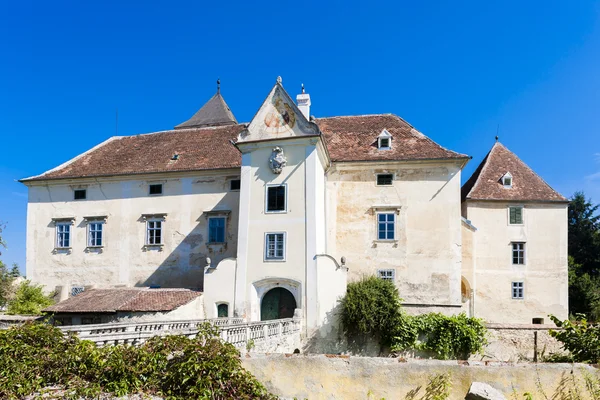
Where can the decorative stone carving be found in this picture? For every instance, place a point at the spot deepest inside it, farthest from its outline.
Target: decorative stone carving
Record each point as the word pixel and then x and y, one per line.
pixel 277 160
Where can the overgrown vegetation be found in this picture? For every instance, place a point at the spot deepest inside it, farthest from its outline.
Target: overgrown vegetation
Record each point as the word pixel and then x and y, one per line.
pixel 580 338
pixel 29 299
pixel 35 356
pixel 7 277
pixel 372 306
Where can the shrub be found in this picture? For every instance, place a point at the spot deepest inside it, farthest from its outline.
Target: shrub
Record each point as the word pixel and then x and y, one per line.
pixel 35 356
pixel 29 300
pixel 580 338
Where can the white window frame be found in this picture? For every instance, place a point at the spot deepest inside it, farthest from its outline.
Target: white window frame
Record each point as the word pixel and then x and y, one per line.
pixel 507 175
pixel 384 135
pixel 385 173
pixel 266 247
pixel 377 214
pixel 512 252
pixel 224 218
pixel 89 233
pixel 162 236
pixel 387 274
pixel 68 231
pixel 514 285
pixel 522 215
pixel 285 198
pixel 162 189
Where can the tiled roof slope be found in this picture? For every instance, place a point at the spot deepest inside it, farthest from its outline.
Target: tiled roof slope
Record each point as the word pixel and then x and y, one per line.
pixel 348 139
pixel 214 113
pixel 354 138
pixel 125 299
pixel 485 183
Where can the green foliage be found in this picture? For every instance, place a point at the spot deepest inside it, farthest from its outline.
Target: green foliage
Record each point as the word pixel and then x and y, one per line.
pixel 29 300
pixel 372 306
pixel 580 338
pixel 7 279
pixel 35 356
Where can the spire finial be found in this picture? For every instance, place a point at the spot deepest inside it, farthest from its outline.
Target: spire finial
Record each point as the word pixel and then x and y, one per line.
pixel 218 85
pixel 303 88
pixel 279 80
pixel 497 138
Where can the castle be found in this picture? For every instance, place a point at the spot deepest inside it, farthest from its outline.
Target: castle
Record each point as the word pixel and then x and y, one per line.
pixel 274 217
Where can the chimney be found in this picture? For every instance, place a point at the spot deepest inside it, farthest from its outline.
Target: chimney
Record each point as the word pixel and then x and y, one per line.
pixel 303 100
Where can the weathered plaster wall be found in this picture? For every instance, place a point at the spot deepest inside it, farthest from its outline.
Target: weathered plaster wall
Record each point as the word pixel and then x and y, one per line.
pixel 517 343
pixel 544 273
pixel 124 260
pixel 427 253
pixel 342 377
pixel 219 287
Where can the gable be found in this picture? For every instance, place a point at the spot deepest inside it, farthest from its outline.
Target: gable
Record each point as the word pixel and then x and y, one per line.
pixel 277 118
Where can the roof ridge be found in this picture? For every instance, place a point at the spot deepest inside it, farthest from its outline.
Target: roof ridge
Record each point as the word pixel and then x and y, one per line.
pixel 362 115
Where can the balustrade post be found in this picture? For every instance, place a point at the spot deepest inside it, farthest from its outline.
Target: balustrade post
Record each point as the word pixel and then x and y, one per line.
pixel 266 331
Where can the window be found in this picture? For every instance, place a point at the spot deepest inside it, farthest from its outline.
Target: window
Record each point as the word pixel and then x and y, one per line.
pixel 515 215
pixel 216 230
pixel 385 179
pixel 95 234
pixel 276 198
pixel 275 246
pixel 234 184
pixel 91 320
pixel 154 232
pixel 537 321
pixel 507 180
pixel 155 189
pixel 518 253
pixel 79 194
pixel 222 310
pixel 384 140
pixel 386 274
pixel 517 290
pixel 63 235
pixel 385 226
pixel 75 290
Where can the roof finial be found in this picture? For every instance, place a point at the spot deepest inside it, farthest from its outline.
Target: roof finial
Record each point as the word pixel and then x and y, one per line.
pixel 303 88
pixel 497 138
pixel 218 85
pixel 497 130
pixel 279 80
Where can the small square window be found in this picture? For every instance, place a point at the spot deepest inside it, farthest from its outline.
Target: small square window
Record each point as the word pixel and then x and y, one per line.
pixel 216 230
pixel 385 179
pixel 275 246
pixel 276 197
pixel 235 184
pixel 222 310
pixel 518 253
pixel 386 223
pixel 79 194
pixel 384 143
pixel 387 274
pixel 517 290
pixel 154 232
pixel 515 215
pixel 155 189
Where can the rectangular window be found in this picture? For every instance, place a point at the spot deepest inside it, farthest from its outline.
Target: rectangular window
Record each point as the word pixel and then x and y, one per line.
pixel 63 235
pixel 384 143
pixel 75 290
pixel 385 179
pixel 154 232
pixel 275 246
pixel 216 230
pixel 235 184
pixel 276 198
pixel 518 253
pixel 79 194
pixel 95 234
pixel 515 215
pixel 517 290
pixel 155 189
pixel 386 226
pixel 386 274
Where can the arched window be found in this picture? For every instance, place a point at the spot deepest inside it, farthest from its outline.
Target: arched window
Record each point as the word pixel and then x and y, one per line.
pixel 222 310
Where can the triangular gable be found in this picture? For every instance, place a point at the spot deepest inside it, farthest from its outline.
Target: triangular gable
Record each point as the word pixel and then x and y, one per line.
pixel 278 117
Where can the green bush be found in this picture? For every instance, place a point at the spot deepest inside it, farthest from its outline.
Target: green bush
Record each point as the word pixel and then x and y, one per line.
pixel 373 306
pixel 29 300
pixel 35 356
pixel 580 338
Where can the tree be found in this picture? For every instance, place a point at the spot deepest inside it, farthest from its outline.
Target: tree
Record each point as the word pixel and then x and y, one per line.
pixel 7 277
pixel 29 300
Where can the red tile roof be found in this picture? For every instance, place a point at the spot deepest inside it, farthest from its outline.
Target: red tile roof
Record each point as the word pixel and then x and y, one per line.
pixel 347 138
pixel 125 299
pixel 485 183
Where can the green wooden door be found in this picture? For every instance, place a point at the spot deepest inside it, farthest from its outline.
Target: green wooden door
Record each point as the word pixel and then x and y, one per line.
pixel 276 304
pixel 222 310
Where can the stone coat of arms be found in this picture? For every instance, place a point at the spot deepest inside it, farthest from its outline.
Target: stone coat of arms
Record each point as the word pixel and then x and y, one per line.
pixel 277 160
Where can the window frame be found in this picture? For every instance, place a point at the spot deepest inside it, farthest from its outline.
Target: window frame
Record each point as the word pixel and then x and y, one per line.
pixel 381 272
pixel 219 304
pixel 514 285
pixel 382 174
pixel 522 215
pixel 285 197
pixel 150 185
pixel 80 190
pixel 377 214
pixel 266 257
pixel 507 175
pixel 69 232
pixel 147 235
pixel 89 233
pixel 231 183
pixel 224 218
pixel 522 251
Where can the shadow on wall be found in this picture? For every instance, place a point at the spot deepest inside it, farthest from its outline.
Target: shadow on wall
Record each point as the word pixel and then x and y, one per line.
pixel 184 266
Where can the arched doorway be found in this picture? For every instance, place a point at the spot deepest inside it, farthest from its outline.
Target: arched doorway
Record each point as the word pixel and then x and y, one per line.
pixel 277 303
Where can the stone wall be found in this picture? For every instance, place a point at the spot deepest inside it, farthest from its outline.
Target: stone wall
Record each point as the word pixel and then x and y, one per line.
pixel 342 377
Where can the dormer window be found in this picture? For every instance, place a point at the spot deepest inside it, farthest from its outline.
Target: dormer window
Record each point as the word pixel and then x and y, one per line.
pixel 384 140
pixel 507 180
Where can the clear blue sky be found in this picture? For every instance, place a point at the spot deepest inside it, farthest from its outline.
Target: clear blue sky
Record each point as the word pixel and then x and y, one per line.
pixel 453 69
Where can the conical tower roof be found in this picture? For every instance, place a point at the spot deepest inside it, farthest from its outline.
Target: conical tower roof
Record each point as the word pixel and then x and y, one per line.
pixel 215 112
